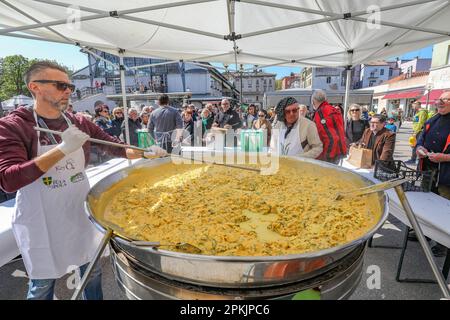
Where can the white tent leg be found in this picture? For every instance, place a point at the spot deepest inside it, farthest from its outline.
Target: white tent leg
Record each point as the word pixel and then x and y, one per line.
pixel 124 97
pixel 347 85
pixel 347 91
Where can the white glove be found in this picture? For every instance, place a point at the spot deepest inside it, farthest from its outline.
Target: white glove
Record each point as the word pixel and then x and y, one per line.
pixel 72 140
pixel 155 151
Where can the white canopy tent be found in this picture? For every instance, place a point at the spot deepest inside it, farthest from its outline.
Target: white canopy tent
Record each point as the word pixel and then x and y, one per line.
pixel 260 32
pixel 263 33
pixel 17 101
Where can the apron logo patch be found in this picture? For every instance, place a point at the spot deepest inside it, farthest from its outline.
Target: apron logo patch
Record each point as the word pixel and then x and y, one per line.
pixel 47 181
pixel 77 178
pixel 70 165
pixel 54 184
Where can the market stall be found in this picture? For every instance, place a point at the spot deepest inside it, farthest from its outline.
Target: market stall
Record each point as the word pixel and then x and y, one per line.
pixel 325 33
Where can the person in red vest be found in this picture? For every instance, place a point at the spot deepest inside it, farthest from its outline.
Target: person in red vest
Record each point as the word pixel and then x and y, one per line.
pixel 330 124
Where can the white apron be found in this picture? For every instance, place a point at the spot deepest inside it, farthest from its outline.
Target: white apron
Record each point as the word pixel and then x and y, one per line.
pixel 289 146
pixel 52 230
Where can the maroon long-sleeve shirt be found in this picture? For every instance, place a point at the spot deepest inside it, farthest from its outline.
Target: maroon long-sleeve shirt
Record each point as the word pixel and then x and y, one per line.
pixel 18 145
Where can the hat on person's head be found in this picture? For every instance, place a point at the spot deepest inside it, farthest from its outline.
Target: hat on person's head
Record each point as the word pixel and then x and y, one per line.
pixel 282 104
pixel 98 103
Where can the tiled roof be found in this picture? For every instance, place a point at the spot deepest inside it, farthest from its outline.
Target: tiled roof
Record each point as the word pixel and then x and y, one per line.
pixel 404 76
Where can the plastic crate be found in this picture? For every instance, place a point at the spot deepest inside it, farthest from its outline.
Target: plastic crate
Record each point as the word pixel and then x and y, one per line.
pixel 419 181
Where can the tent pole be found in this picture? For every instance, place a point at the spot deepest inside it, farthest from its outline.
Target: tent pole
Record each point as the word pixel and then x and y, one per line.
pixel 332 14
pixel 235 48
pixel 347 85
pixel 51 23
pixel 124 96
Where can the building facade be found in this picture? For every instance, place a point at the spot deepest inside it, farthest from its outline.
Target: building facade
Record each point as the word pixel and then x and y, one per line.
pixel 100 77
pixel 253 85
pixel 330 79
pixel 292 81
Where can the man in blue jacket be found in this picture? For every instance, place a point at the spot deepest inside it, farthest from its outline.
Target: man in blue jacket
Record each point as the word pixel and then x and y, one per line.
pixel 433 146
pixel 433 150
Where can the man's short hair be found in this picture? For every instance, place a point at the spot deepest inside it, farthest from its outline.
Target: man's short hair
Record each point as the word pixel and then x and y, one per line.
pixel 417 102
pixel 98 103
pixel 319 95
pixel 380 117
pixel 163 100
pixel 39 67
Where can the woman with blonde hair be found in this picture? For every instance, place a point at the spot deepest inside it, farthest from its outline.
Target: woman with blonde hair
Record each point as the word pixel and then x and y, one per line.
pixel 355 124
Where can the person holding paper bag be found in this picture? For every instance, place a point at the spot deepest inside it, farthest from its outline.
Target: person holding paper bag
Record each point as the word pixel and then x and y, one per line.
pixel 378 139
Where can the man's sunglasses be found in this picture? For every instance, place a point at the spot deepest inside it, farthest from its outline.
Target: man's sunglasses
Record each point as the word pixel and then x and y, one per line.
pixel 290 111
pixel 354 110
pixel 60 85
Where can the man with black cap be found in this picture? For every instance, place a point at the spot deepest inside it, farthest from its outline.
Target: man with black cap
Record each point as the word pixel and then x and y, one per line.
pixel 294 135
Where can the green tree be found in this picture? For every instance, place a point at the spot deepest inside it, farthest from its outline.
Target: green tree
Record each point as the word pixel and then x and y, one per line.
pixel 12 69
pixel 11 76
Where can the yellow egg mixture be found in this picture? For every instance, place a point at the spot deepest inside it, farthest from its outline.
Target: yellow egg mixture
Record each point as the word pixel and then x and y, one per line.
pixel 231 212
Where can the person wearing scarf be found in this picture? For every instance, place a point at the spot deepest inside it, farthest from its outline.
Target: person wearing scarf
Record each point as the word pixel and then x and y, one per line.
pixel 293 135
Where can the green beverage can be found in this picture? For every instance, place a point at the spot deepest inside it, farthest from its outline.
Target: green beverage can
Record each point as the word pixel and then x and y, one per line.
pixel 252 140
pixel 145 140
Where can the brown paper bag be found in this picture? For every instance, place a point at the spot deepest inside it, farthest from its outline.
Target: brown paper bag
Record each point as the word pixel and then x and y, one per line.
pixel 360 157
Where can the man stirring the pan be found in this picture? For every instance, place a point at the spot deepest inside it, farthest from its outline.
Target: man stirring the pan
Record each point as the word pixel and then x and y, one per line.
pixel 52 231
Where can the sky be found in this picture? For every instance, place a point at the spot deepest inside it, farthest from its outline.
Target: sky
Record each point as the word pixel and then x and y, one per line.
pixel 71 56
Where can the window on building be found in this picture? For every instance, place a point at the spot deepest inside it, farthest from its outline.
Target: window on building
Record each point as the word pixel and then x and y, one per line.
pixel 390 72
pixel 381 72
pixel 328 79
pixel 249 83
pixel 409 72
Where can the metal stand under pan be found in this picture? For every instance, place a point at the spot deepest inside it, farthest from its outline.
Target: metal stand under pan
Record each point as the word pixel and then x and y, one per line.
pixel 138 282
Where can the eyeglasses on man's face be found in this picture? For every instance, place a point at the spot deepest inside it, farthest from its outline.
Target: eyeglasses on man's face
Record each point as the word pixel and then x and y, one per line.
pixel 288 111
pixel 60 85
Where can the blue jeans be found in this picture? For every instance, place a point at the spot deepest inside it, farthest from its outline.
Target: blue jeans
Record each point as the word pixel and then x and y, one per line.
pixel 43 289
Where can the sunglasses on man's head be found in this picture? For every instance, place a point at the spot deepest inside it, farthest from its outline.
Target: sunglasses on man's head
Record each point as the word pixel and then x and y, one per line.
pixel 60 85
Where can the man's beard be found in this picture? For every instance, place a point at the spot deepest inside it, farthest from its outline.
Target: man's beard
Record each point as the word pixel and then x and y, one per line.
pixel 59 105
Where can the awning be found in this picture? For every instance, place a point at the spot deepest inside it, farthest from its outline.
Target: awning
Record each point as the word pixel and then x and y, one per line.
pixel 434 95
pixel 403 95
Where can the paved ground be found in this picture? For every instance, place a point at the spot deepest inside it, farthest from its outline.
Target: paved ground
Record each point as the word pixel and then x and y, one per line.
pixel 13 282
